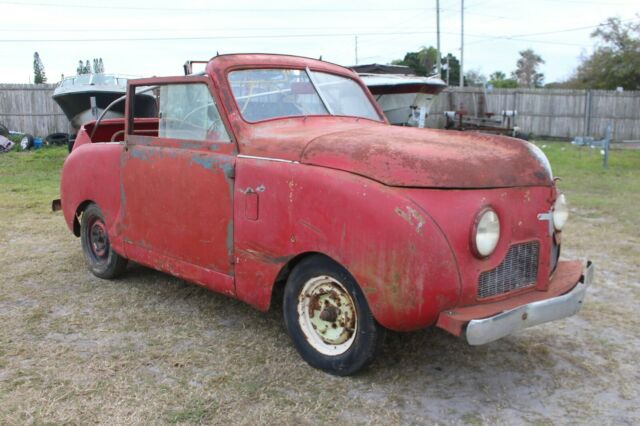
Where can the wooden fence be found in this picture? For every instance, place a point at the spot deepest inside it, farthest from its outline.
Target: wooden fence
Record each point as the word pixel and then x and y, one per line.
pixel 29 108
pixel 549 112
pixel 543 112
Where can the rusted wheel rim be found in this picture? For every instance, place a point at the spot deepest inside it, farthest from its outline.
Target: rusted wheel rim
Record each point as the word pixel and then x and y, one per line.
pixel 327 315
pixel 98 240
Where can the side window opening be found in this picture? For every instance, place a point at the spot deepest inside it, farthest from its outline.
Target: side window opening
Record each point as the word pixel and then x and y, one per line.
pixel 186 111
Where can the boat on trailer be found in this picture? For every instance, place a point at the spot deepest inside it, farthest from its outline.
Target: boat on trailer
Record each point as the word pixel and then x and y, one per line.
pixel 84 97
pixel 404 97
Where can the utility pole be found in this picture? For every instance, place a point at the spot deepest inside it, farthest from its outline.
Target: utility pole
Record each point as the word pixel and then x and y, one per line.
pixel 448 68
pixel 461 43
pixel 439 63
pixel 356 50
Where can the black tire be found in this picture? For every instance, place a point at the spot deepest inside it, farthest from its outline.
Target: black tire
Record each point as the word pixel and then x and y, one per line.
pixel 4 131
pixel 307 287
pixel 57 138
pixel 26 143
pixel 101 260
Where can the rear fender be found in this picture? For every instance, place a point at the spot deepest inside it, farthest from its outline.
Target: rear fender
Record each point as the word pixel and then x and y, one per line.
pixel 91 172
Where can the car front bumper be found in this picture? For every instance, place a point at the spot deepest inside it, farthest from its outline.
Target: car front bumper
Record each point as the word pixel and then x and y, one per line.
pixel 486 323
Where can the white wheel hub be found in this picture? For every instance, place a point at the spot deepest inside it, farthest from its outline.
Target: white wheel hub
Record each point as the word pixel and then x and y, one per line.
pixel 327 315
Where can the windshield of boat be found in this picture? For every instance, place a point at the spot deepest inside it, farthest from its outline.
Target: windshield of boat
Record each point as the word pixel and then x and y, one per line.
pixel 95 80
pixel 262 94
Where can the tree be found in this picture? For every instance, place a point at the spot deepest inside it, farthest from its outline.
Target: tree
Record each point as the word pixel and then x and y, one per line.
pixel 98 66
pixel 474 78
pixel 85 67
pixel 615 61
pixel 527 69
pixel 450 67
pixel 39 76
pixel 423 62
pixel 499 80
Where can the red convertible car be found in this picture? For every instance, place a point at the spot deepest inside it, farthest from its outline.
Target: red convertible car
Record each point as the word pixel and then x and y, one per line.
pixel 274 171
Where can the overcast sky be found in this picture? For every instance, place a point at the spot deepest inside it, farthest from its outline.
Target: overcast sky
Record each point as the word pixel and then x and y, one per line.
pixel 144 38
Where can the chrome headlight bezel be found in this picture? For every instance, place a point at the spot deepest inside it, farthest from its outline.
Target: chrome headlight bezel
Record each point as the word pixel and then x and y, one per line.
pixel 560 213
pixel 485 233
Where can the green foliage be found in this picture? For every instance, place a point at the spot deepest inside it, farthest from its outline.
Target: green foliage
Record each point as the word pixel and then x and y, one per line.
pixel 39 75
pixel 452 64
pixel 98 65
pixel 424 62
pixel 611 192
pixel 527 69
pixel 615 61
pixel 474 78
pixel 86 68
pixel 499 80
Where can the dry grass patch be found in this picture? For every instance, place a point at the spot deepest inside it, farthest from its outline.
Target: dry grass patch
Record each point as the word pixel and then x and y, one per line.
pixel 150 348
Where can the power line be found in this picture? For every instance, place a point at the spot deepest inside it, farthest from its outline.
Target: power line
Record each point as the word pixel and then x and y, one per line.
pixel 209 9
pixel 404 23
pixel 602 3
pixel 253 36
pixel 518 37
pixel 353 30
pixel 208 29
pixel 263 36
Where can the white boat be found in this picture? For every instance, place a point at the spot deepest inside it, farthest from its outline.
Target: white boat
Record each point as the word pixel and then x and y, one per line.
pixel 84 97
pixel 405 98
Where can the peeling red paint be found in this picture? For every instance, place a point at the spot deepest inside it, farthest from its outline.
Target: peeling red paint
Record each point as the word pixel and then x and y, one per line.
pixel 394 206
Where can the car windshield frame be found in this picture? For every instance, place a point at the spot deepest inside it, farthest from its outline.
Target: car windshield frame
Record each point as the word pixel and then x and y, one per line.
pixel 310 78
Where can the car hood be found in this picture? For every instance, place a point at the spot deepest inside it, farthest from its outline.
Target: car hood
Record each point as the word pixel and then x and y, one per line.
pixel 410 157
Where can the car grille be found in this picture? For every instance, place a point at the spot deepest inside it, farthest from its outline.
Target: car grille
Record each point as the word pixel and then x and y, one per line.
pixel 518 269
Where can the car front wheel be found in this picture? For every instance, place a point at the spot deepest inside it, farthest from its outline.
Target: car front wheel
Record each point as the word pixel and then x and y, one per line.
pixel 328 318
pixel 101 260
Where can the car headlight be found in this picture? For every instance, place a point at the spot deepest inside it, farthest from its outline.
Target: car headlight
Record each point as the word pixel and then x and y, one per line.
pixel 560 212
pixel 486 232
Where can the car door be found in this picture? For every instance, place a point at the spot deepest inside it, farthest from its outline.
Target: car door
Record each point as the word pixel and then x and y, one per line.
pixel 177 183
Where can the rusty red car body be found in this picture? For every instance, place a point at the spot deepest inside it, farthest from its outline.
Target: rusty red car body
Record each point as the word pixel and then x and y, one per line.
pixel 394 206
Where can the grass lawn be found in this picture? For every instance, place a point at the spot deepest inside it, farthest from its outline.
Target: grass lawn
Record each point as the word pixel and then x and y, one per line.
pixel 613 192
pixel 150 348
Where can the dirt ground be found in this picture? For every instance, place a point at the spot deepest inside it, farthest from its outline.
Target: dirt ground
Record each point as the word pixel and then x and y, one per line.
pixel 149 348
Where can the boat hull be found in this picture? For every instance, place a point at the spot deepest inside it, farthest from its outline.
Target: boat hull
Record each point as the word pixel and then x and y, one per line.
pixel 77 105
pixel 405 100
pixel 74 96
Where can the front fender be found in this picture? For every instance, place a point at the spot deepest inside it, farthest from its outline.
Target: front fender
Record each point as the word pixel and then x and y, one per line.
pixel 391 246
pixel 91 172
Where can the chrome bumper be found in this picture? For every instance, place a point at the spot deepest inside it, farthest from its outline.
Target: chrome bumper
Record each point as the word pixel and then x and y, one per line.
pixel 487 330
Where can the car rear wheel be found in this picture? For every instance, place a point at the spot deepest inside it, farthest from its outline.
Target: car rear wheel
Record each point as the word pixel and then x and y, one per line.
pixel 101 260
pixel 328 318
